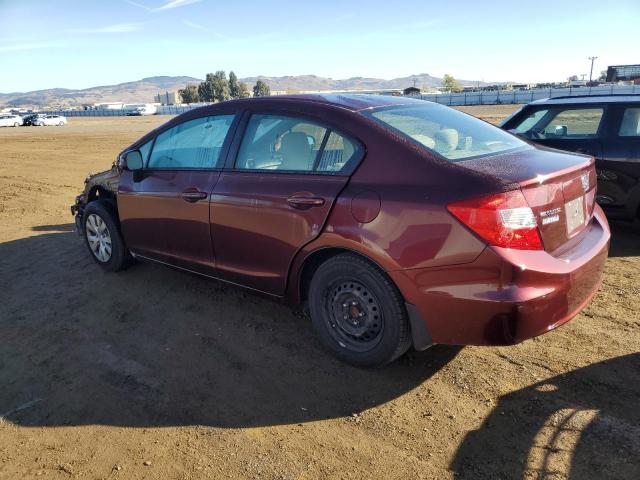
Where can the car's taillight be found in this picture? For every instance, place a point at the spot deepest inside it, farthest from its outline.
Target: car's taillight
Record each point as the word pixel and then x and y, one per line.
pixel 503 220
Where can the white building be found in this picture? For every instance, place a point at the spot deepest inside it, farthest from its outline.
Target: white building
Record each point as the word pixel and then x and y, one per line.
pixel 168 98
pixel 109 106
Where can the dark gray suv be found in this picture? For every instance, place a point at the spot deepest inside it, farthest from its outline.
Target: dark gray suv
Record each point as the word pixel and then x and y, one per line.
pixel 605 127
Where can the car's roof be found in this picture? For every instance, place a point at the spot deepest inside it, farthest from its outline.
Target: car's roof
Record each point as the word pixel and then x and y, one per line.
pixel 581 99
pixel 350 101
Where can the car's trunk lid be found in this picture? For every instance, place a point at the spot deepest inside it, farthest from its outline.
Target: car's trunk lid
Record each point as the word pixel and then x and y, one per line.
pixel 559 187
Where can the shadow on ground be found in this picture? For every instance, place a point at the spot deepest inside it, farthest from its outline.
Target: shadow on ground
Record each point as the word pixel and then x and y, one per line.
pixel 625 241
pixel 583 424
pixel 153 346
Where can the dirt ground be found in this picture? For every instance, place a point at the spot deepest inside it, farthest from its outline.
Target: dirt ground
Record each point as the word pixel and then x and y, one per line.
pixel 154 373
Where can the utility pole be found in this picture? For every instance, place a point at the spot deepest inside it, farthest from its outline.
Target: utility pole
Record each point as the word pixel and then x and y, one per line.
pixel 591 74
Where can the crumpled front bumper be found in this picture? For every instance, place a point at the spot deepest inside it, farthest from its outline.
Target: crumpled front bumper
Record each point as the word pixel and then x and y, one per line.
pixel 77 210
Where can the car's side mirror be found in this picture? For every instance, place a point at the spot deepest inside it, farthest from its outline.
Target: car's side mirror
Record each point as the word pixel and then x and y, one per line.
pixel 133 161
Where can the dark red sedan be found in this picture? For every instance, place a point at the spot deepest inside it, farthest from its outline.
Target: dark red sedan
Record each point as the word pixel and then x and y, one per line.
pixel 396 222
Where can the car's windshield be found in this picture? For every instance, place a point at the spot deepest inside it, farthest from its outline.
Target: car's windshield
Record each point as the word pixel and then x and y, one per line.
pixel 448 132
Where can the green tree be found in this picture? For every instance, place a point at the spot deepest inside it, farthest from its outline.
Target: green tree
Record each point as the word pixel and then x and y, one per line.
pixel 603 76
pixel 189 94
pixel 234 86
pixel 243 90
pixel 261 89
pixel 206 90
pixel 220 86
pixel 451 84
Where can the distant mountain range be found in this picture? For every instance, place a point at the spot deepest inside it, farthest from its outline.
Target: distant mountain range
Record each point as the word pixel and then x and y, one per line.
pixel 142 91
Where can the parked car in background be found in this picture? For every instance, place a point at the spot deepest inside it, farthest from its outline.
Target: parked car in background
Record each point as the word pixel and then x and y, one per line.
pixel 31 117
pixel 392 221
pixel 605 127
pixel 143 110
pixel 57 120
pixel 10 120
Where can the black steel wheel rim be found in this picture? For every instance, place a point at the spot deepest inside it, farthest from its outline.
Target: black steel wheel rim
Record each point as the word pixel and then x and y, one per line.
pixel 353 315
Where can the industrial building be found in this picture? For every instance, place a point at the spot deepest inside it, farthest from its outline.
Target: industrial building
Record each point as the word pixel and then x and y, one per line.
pixel 623 73
pixel 168 98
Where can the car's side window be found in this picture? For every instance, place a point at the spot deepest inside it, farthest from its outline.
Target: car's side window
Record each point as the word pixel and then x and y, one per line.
pixel 574 123
pixel 630 126
pixel 283 143
pixel 530 121
pixel 145 150
pixel 193 144
pixel 336 153
pixel 275 142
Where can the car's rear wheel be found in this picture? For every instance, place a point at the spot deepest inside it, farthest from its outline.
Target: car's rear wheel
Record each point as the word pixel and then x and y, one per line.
pixel 358 312
pixel 16 124
pixel 103 238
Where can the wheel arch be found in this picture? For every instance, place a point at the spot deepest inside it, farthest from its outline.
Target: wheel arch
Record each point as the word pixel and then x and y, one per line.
pixel 98 192
pixel 299 287
pixel 317 257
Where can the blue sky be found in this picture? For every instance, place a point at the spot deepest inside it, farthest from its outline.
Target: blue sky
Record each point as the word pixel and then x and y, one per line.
pixel 84 43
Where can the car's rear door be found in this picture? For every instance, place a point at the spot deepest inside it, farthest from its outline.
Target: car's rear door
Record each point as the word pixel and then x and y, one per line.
pixel 283 178
pixel 164 208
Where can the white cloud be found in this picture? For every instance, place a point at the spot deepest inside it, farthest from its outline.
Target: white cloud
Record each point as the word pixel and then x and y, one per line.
pixel 139 5
pixel 197 26
pixel 175 4
pixel 116 28
pixel 17 47
pixel 194 25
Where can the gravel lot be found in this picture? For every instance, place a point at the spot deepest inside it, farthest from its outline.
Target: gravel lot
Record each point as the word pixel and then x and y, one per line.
pixel 154 373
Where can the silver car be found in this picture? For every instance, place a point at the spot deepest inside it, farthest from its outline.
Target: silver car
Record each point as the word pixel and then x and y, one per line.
pixel 10 120
pixel 57 120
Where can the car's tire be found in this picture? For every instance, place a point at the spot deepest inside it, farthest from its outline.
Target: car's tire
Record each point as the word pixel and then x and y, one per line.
pixel 358 312
pixel 16 124
pixel 60 124
pixel 102 236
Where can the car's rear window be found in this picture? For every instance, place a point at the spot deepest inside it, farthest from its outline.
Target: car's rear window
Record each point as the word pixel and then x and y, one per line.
pixel 448 132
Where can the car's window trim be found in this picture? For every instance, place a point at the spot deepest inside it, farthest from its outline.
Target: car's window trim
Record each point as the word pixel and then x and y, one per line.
pixel 346 171
pixel 223 151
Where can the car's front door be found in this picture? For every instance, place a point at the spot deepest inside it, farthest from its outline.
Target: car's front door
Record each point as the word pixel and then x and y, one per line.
pixel 277 196
pixel 570 128
pixel 164 208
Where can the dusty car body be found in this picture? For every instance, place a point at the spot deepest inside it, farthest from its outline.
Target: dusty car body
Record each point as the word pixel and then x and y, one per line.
pixel 392 226
pixel 606 127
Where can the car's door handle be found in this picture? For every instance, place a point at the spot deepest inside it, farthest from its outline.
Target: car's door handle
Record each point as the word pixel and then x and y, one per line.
pixel 193 195
pixel 305 202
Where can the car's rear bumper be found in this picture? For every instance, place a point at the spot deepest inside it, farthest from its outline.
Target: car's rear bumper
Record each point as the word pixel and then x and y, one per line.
pixel 507 296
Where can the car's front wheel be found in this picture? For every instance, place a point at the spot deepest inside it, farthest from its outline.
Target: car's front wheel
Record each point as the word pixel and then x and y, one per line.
pixel 60 124
pixel 358 312
pixel 103 238
pixel 16 124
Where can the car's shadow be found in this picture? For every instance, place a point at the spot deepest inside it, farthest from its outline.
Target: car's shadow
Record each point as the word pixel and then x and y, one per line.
pixel 579 425
pixel 153 346
pixel 625 240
